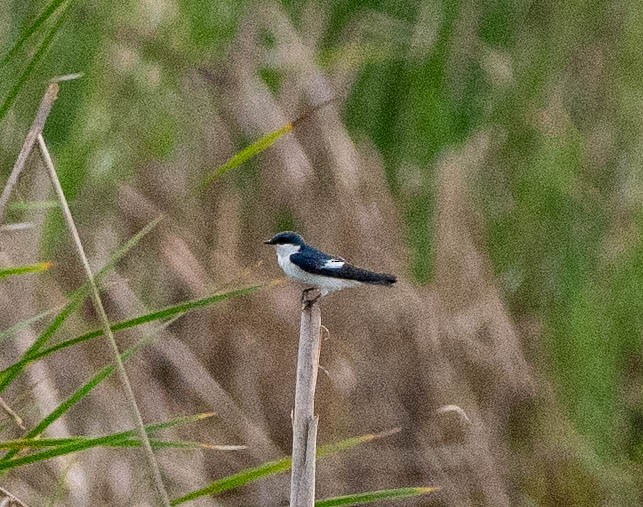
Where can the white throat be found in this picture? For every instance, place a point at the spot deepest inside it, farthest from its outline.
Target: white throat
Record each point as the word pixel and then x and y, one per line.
pixel 285 251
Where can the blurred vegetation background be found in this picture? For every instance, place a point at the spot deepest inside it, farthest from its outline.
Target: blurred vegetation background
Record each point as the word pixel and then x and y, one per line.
pixel 489 153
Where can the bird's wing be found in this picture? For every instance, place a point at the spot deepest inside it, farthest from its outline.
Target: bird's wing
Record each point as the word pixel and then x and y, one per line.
pixel 318 263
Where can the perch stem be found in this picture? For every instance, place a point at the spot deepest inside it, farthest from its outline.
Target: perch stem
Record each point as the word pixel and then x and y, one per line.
pixel 302 485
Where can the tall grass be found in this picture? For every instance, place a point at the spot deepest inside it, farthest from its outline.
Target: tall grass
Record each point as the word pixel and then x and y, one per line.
pixel 532 324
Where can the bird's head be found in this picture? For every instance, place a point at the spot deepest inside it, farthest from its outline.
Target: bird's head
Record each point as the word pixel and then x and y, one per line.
pixel 286 243
pixel 286 238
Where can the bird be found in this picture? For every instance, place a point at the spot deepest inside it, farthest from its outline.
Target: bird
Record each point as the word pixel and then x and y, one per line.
pixel 328 273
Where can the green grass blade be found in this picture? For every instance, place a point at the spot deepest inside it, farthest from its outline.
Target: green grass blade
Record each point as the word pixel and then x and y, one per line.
pixel 33 63
pixel 373 496
pixel 31 443
pixel 39 267
pixel 61 450
pixel 271 468
pixel 84 390
pixel 36 442
pixel 39 443
pixel 23 324
pixel 12 462
pixel 177 421
pixel 349 443
pixel 121 439
pixel 168 312
pixel 247 153
pixel 237 480
pixel 78 395
pixel 176 444
pixel 171 444
pixel 8 375
pixel 31 30
pixel 261 144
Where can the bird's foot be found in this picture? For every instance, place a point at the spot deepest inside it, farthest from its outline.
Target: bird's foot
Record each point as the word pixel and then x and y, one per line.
pixel 306 299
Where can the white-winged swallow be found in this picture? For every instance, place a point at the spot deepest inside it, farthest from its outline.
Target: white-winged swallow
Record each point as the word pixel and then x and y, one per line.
pixel 328 273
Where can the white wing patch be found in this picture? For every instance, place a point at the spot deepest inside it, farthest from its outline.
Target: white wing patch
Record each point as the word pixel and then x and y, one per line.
pixel 334 264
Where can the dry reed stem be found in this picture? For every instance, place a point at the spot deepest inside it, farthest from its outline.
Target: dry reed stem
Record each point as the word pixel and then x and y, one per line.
pixel 304 425
pixel 10 499
pixel 21 226
pixel 129 393
pixel 46 103
pixel 16 418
